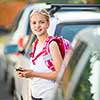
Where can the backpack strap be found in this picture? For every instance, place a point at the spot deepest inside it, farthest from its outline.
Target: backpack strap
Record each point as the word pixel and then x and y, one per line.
pixel 59 40
pixel 47 42
pixel 60 43
pixel 47 57
pixel 33 50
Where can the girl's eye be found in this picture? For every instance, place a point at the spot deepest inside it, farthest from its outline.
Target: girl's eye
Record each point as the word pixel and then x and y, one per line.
pixel 33 22
pixel 41 21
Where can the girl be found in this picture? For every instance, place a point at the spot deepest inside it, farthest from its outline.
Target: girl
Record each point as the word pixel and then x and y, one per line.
pixel 43 79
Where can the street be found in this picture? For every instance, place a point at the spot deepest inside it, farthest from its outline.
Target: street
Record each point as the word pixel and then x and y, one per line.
pixel 4 93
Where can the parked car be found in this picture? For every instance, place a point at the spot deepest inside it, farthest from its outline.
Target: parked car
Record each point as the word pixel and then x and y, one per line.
pixel 66 23
pixel 81 82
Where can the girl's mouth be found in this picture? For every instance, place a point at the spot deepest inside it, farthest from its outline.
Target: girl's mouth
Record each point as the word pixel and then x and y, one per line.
pixel 38 30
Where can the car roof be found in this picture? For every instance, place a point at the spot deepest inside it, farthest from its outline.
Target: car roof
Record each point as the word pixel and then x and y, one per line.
pixel 74 16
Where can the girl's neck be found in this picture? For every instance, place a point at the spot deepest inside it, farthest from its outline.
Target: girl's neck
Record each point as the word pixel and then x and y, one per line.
pixel 42 38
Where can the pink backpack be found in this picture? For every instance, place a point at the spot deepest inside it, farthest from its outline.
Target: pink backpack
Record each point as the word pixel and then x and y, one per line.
pixel 64 46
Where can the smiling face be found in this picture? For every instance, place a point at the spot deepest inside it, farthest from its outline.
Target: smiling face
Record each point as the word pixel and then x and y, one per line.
pixel 39 23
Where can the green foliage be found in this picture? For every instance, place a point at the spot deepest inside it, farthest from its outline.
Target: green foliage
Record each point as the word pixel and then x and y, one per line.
pixel 97 1
pixel 8 1
pixel 53 1
pixel 77 1
pixel 62 1
pixel 82 91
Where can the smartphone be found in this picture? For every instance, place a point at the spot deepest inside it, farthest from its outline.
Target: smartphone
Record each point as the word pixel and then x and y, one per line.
pixel 18 69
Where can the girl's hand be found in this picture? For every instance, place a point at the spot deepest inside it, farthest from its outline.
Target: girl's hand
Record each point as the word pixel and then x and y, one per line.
pixel 26 73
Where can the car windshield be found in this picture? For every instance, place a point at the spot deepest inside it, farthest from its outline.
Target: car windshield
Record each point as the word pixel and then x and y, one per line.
pixel 16 21
pixel 69 31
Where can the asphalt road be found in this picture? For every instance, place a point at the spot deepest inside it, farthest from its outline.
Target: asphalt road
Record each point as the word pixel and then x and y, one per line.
pixel 4 93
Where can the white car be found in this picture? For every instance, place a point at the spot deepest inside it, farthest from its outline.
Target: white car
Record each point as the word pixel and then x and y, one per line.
pixel 66 23
pixel 79 77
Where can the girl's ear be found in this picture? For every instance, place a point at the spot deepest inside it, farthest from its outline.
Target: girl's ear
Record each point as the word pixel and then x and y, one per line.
pixel 48 24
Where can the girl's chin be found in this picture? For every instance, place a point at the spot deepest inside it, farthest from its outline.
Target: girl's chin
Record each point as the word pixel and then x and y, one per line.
pixel 39 34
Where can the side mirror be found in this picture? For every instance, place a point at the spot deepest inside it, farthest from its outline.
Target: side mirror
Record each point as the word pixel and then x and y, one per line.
pixel 11 49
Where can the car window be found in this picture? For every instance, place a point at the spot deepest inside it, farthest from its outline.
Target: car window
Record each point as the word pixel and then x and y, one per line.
pixel 28 29
pixel 16 21
pixel 69 31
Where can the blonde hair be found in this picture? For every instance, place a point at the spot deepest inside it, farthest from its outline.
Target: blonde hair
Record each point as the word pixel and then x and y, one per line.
pixel 43 12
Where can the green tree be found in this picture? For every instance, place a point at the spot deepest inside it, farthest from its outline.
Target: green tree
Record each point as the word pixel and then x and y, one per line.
pixel 93 1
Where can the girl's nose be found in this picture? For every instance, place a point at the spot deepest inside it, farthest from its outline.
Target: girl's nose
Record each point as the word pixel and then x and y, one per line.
pixel 37 25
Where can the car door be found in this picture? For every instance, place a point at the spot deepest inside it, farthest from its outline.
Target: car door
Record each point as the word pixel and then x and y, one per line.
pixel 79 77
